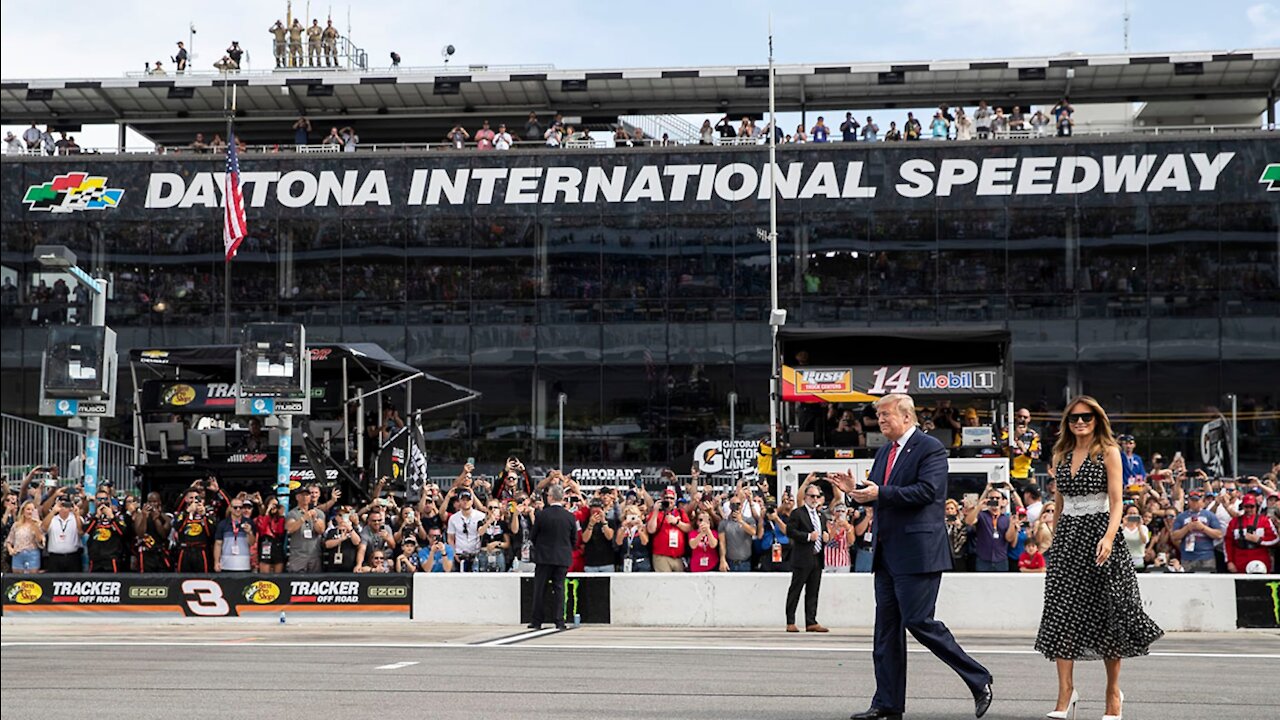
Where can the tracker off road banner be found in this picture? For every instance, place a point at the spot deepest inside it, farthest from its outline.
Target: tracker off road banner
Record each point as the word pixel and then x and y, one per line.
pixel 251 595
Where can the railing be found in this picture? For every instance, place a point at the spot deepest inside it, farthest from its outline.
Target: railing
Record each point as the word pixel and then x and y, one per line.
pixel 607 142
pixel 674 127
pixel 27 443
pixel 394 69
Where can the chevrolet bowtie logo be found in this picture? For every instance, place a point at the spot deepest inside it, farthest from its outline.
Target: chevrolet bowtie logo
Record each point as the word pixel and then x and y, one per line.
pixel 1271 176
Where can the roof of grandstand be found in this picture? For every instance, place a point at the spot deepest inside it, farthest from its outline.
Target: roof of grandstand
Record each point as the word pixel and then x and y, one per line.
pixel 416 104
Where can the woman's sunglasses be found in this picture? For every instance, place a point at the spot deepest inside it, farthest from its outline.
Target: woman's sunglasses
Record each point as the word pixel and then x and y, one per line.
pixel 1084 417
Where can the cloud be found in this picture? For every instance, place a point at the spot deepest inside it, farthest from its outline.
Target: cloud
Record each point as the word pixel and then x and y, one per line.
pixel 1265 19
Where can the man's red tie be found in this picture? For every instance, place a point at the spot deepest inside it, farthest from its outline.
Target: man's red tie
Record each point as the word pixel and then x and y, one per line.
pixel 888 468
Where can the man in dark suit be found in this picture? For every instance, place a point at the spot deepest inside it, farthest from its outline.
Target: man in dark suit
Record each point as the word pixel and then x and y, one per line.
pixel 908 487
pixel 552 537
pixel 807 530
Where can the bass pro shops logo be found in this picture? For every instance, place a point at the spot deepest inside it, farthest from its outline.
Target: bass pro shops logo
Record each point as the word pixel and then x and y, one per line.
pixel 73 192
pixel 1271 176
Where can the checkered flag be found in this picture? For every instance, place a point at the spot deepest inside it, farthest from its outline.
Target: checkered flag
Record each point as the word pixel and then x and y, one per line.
pixel 415 477
pixel 81 199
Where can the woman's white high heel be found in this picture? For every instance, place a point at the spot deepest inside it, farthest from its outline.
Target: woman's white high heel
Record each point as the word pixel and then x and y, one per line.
pixel 1117 717
pixel 1070 712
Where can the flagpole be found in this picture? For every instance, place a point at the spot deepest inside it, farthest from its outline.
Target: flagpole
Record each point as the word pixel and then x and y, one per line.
pixel 226 275
pixel 774 389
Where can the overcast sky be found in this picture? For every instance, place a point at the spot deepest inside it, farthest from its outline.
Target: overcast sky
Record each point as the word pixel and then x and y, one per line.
pixel 121 37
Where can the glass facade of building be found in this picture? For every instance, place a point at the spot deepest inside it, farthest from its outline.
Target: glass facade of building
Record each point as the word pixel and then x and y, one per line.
pixel 647 313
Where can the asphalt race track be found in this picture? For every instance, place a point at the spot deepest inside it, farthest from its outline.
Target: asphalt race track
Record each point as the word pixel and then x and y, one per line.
pixel 391 670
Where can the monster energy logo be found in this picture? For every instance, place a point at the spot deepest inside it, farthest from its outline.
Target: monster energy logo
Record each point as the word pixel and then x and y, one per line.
pixel 571 590
pixel 1275 600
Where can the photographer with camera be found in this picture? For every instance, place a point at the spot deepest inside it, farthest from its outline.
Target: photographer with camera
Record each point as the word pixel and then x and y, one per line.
pixel 151 525
pixel 736 533
pixel 495 542
pixel 437 556
pixel 995 532
pixel 667 526
pixel 105 538
pixel 63 529
pixel 632 540
pixel 341 545
pixel 772 544
pixel 598 551
pixel 1137 536
pixel 195 534
pixel 375 536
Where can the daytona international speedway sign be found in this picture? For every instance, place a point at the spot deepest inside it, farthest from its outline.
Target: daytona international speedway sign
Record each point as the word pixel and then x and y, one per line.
pixel 732 182
pixel 811 178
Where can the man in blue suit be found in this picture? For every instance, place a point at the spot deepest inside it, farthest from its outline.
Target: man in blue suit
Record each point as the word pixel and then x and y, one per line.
pixel 908 487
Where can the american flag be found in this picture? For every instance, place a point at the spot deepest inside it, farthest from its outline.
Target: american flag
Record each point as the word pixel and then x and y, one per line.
pixel 234 226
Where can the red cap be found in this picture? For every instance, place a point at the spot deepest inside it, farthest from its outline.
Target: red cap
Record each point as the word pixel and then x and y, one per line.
pixel 669 491
pixel 1248 500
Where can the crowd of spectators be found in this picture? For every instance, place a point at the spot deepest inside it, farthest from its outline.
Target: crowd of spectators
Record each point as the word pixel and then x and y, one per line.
pixel 480 524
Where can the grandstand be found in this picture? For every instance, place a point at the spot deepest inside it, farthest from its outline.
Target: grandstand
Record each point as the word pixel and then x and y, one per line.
pixel 647 307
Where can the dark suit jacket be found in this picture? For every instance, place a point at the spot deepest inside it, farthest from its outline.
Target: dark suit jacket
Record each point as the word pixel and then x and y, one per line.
pixel 552 536
pixel 799 525
pixel 910 533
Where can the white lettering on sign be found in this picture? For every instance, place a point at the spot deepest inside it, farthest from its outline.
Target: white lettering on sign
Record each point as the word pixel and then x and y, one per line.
pixel 731 182
pixel 86 587
pixel 324 587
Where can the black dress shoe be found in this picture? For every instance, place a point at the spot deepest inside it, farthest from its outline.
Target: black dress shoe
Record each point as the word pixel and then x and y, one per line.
pixel 876 713
pixel 982 700
pixel 534 626
pixel 561 626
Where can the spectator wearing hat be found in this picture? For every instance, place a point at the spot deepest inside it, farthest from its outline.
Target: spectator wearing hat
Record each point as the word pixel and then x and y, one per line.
pixel 465 528
pixel 1134 471
pixel 1023 446
pixel 667 527
pixel 1250 537
pixel 1194 531
pixel 408 561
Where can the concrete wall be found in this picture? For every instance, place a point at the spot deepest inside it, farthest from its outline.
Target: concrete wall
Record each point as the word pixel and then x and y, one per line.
pixel 966 601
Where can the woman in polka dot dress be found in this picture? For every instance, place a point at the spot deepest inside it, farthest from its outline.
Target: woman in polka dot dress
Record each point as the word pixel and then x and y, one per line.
pixel 1092 609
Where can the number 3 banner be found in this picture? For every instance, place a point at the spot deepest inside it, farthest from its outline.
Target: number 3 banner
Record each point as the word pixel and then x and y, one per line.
pixel 866 383
pixel 250 595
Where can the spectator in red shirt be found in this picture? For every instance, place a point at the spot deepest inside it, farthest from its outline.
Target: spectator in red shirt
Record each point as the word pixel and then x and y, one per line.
pixel 667 527
pixel 1031 560
pixel 1250 536
pixel 704 542
pixel 582 513
pixel 270 529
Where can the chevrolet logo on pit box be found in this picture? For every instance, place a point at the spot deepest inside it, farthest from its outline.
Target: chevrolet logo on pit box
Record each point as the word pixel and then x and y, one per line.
pixel 825 381
pixel 951 380
pixel 385 592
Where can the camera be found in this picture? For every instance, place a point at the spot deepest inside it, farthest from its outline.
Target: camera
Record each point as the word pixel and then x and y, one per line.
pixel 770 509
pixel 735 507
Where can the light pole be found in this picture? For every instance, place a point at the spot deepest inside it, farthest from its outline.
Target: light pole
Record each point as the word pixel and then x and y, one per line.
pixel 776 316
pixel 561 400
pixel 733 425
pixel 1235 463
pixel 59 257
